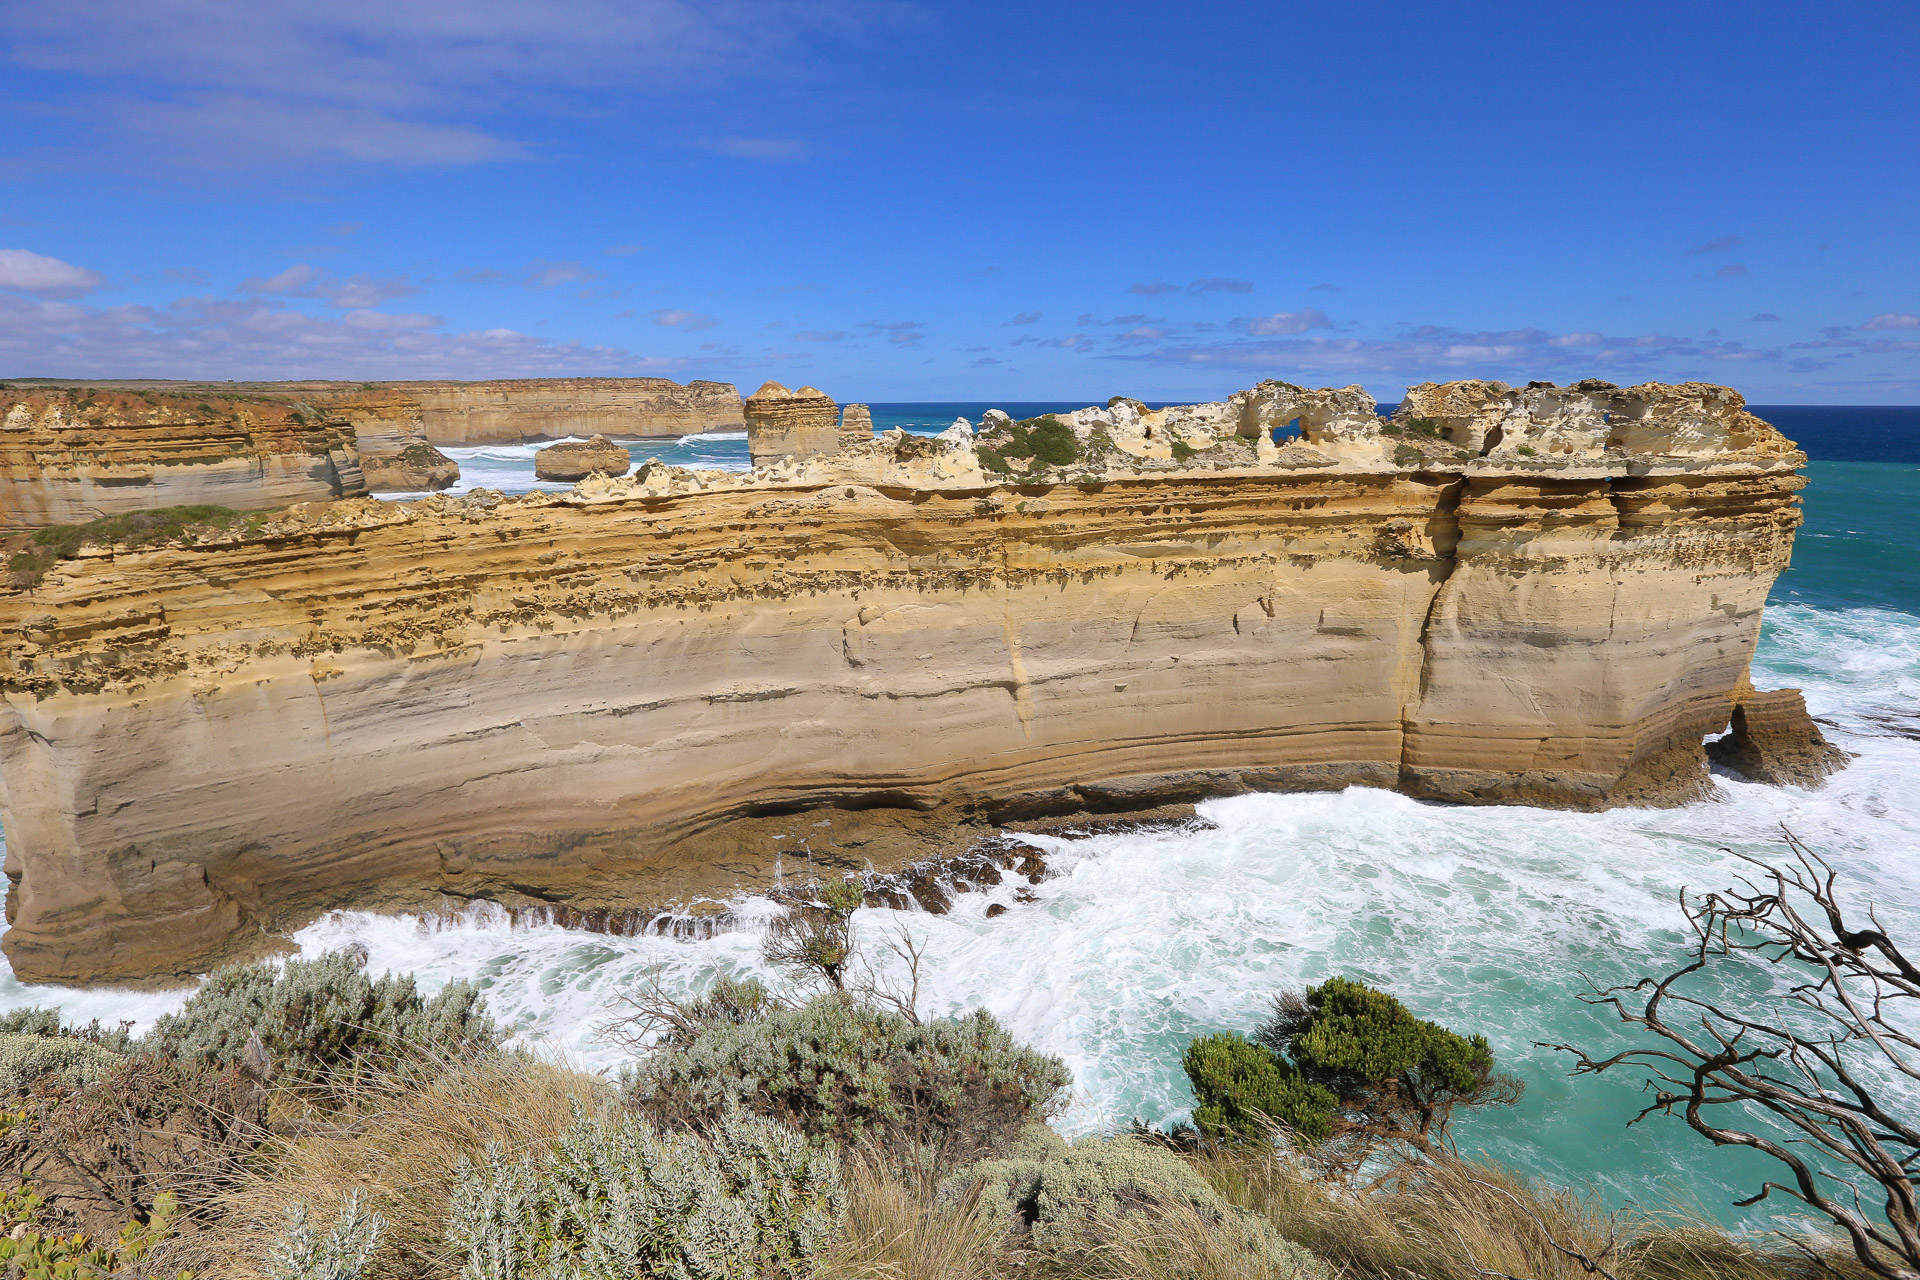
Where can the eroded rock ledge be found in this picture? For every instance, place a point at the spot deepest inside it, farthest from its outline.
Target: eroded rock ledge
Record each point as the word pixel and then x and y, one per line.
pixel 622 693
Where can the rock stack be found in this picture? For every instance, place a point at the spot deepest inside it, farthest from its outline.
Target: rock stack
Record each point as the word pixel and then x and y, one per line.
pixel 803 423
pixel 578 459
pixel 856 424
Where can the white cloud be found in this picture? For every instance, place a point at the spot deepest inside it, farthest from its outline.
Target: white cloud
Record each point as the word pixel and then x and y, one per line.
pixel 44 277
pixel 1288 322
pixel 262 338
pixel 1892 320
pixel 405 82
pixel 673 318
pixel 542 274
pixel 353 293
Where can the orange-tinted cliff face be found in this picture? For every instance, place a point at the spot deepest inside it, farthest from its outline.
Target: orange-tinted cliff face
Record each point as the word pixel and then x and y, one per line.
pixel 71 454
pixel 604 696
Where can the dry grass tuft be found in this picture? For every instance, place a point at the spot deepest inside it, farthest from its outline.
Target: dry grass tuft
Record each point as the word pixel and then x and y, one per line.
pixel 1454 1220
pixel 401 1144
pixel 895 1231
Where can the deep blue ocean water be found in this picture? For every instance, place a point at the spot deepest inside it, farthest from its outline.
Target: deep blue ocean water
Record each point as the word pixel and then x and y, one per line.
pixel 1484 918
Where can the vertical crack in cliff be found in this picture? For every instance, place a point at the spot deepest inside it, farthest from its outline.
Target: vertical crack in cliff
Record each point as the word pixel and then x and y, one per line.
pixel 1022 692
pixel 1445 521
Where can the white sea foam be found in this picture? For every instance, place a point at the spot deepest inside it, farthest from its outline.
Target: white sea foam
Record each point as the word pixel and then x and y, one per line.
pixel 1484 918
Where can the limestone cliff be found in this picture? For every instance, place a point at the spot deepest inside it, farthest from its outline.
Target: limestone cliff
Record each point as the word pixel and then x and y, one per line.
pixel 620 694
pixel 783 423
pixel 527 409
pixel 578 459
pixel 391 435
pixel 69 455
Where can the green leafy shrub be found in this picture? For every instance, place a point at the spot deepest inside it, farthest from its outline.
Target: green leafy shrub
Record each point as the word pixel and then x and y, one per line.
pixel 38 1021
pixel 1244 1089
pixel 842 1071
pixel 1182 451
pixel 1067 1197
pixel 25 1059
pixel 322 1020
pixel 1405 455
pixel 993 460
pixel 343 1253
pixel 617 1199
pixel 29 1251
pixel 1044 442
pixel 1525 451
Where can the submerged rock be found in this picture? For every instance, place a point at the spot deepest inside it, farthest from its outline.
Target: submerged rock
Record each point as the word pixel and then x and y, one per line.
pixel 578 459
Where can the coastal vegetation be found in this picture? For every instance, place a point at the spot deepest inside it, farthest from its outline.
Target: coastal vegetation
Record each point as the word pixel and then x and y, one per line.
pixel 33 555
pixel 310 1121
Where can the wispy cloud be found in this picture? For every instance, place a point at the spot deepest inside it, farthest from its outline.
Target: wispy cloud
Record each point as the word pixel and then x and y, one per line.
pixel 355 291
pixel 1281 323
pixel 774 149
pixel 401 82
pixel 1153 288
pixel 261 337
pixel 1026 317
pixel 1891 320
pixel 901 333
pixel 819 335
pixel 623 250
pixel 1719 244
pixel 1731 270
pixel 542 274
pixel 1220 284
pixel 674 318
pixel 25 271
pixel 1765 317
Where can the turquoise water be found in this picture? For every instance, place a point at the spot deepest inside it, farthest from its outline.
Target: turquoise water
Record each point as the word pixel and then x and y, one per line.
pixel 1485 918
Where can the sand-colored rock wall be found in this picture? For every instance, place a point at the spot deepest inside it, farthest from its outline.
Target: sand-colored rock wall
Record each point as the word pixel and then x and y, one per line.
pixel 520 410
pixel 620 694
pixel 800 424
pixel 68 456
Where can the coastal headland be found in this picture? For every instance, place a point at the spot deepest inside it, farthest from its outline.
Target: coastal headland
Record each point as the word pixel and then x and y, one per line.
pixel 656 687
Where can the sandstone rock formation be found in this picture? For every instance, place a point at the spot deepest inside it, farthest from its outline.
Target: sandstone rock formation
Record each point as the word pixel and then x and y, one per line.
pixel 578 459
pixel 783 423
pixel 856 425
pixel 527 409
pixel 1774 740
pixel 391 435
pixel 69 454
pixel 619 695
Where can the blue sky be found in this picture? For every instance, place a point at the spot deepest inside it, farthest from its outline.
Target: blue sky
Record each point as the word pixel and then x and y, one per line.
pixel 899 200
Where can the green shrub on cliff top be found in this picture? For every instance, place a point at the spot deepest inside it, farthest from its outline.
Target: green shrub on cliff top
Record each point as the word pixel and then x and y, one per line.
pixel 618 1199
pixel 321 1020
pixel 841 1071
pixel 1345 1063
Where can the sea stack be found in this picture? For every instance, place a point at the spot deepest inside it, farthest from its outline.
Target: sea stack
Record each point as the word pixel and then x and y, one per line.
pixel 577 459
pixel 856 424
pixel 782 423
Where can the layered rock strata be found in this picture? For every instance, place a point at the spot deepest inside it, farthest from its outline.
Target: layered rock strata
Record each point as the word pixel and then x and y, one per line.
pixel 622 694
pixel 71 455
pixel 797 424
pixel 856 425
pixel 530 409
pixel 391 435
pixel 578 459
pixel 1774 740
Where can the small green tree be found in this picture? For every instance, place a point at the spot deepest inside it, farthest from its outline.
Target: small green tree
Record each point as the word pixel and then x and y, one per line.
pixel 1346 1069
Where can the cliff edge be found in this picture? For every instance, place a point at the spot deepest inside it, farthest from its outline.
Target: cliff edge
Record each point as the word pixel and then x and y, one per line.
pixel 621 694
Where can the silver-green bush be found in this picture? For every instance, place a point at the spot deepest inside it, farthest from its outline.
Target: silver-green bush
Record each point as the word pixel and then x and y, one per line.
pixel 1060 1193
pixel 618 1199
pixel 301 1253
pixel 840 1070
pixel 26 1058
pixel 318 1018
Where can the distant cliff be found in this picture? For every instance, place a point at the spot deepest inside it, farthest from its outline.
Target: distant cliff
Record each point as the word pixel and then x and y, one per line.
pixel 622 694
pixel 71 454
pixel 467 413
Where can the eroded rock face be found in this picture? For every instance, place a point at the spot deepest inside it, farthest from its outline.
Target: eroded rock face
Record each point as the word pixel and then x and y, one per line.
pixel 527 409
pixel 798 424
pixel 70 455
pixel 856 425
pixel 1774 740
pixel 390 433
pixel 578 459
pixel 614 696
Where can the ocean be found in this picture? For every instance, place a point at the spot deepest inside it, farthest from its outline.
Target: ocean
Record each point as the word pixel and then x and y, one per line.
pixel 1487 919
